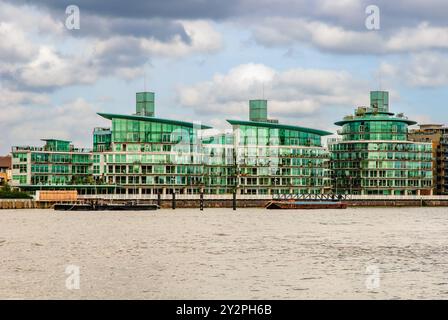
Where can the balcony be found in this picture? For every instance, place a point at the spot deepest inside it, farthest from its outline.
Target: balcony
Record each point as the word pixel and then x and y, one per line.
pixel 334 140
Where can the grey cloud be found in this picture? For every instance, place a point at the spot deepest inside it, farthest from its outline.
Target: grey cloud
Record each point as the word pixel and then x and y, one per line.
pixel 158 18
pixel 117 46
pixel 145 19
pixel 349 13
pixel 160 29
pixel 121 52
pixel 331 26
pixel 170 9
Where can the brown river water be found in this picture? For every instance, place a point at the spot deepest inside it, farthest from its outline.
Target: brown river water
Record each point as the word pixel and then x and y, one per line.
pixel 363 253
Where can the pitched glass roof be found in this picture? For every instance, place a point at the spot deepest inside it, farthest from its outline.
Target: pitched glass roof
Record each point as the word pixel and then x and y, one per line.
pixel 111 116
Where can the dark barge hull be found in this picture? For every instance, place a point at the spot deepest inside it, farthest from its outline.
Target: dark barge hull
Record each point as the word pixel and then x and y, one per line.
pixel 104 207
pixel 305 205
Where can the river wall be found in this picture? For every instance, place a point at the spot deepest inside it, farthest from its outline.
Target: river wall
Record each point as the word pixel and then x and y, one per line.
pixel 228 203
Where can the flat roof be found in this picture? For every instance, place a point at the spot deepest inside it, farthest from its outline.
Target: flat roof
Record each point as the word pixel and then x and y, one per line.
pixel 429 126
pixel 66 186
pixel 279 126
pixel 111 116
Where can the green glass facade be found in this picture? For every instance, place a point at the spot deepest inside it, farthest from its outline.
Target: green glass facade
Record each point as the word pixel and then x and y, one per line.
pixel 56 163
pixel 150 155
pixel 141 154
pixel 102 139
pixel 273 158
pixel 374 155
pixel 219 164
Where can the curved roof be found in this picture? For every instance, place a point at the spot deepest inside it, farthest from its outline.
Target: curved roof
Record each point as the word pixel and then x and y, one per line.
pixel 380 112
pixel 355 119
pixel 59 140
pixel 279 126
pixel 111 116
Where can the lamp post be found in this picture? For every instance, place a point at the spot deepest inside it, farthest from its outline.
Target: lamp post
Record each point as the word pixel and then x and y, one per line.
pixel 335 178
pixel 310 167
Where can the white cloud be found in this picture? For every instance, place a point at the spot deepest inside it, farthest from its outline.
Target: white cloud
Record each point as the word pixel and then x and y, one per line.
pixel 14 45
pixel 30 19
pixel 26 125
pixel 429 69
pixel 50 69
pixel 341 8
pixel 292 93
pixel 420 38
pixel 333 38
pixel 12 97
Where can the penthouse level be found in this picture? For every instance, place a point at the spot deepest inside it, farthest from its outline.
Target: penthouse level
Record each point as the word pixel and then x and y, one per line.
pixel 374 155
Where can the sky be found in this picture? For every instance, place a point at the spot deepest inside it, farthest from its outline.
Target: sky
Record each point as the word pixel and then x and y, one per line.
pixel 313 60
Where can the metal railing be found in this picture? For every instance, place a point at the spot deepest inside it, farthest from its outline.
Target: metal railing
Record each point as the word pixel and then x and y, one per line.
pixel 170 196
pixel 326 197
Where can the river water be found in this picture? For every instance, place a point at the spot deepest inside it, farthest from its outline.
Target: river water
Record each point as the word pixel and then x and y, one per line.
pixel 363 253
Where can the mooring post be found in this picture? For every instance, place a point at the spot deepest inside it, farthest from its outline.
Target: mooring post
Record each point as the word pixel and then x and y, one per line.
pixel 159 200
pixel 201 201
pixel 174 200
pixel 234 200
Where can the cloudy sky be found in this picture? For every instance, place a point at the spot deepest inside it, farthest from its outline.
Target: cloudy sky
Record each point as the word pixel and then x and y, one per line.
pixel 314 60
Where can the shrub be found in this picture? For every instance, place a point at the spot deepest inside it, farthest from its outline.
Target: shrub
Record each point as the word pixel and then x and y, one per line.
pixel 7 193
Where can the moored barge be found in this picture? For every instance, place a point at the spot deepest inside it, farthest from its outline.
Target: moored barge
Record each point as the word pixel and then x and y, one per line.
pixel 306 205
pixel 104 207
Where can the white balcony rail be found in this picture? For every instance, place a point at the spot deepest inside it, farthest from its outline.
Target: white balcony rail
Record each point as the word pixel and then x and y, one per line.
pixel 170 196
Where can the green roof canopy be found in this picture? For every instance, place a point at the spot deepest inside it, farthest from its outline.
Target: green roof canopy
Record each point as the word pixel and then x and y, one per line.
pixel 57 140
pixel 278 126
pixel 111 116
pixel 342 122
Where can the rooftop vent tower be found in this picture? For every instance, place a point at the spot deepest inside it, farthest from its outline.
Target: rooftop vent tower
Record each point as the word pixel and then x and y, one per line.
pixel 258 110
pixel 379 101
pixel 145 104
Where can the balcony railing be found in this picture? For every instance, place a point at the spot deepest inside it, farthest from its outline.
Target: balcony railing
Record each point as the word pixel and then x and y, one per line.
pixel 43 149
